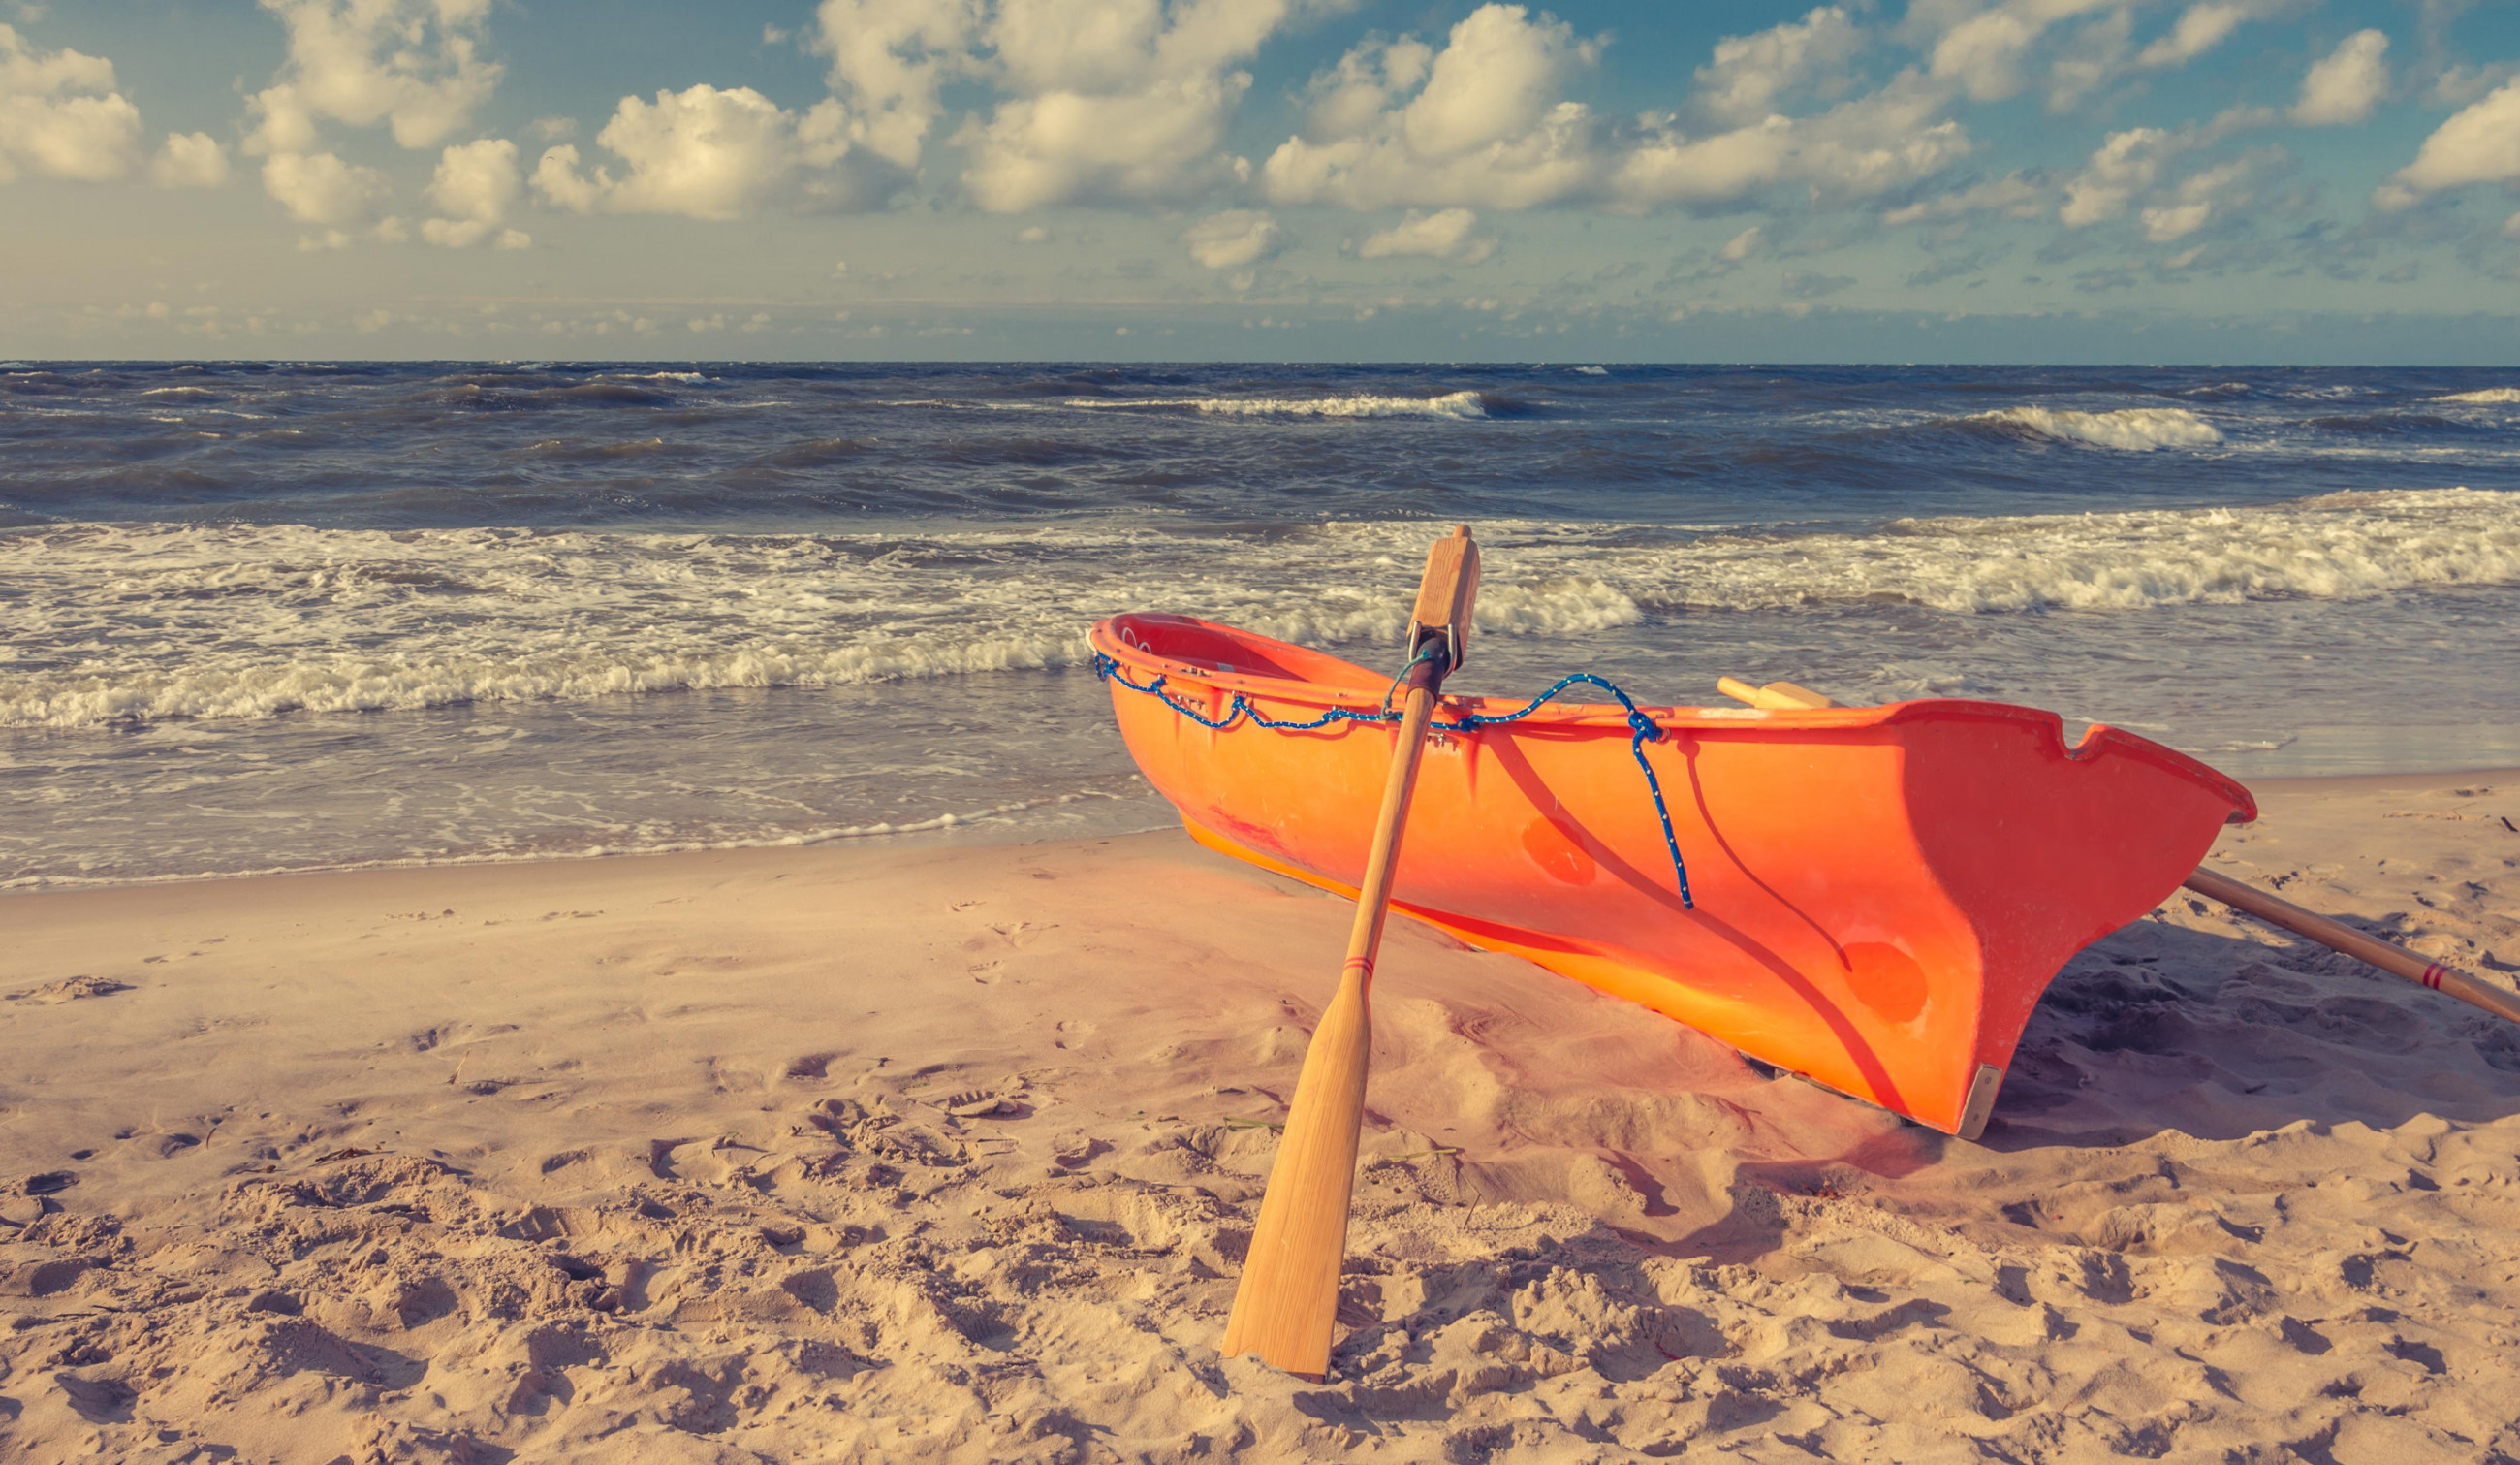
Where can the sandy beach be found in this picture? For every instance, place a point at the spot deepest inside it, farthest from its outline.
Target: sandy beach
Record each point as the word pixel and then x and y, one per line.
pixel 951 1154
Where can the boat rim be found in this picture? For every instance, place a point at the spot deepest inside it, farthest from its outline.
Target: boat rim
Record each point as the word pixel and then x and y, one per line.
pixel 1109 637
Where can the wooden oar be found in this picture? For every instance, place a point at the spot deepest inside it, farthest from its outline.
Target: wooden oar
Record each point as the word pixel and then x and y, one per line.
pixel 2388 958
pixel 1287 1300
pixel 1781 695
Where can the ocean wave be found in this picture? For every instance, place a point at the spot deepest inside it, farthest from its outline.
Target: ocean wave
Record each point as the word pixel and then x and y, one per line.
pixel 1460 407
pixel 2128 429
pixel 2491 395
pixel 2339 547
pixel 563 450
pixel 824 835
pixel 137 623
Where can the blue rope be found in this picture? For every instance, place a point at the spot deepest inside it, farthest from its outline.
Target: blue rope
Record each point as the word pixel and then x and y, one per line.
pixel 1641 728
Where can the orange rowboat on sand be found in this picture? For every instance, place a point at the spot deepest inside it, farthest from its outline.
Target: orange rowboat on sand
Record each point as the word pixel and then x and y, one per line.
pixel 1875 896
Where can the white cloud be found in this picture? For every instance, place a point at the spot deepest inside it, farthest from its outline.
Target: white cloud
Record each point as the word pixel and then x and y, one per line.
pixel 413 66
pixel 1442 235
pixel 1892 139
pixel 2480 144
pixel 1744 245
pixel 61 117
pixel 190 160
pixel 1485 127
pixel 708 154
pixel 2200 29
pixel 1115 99
pixel 319 188
pixel 1751 73
pixel 2132 172
pixel 1985 54
pixel 2124 165
pixel 889 58
pixel 2013 196
pixel 474 188
pixel 2198 198
pixel 1235 238
pixel 2344 87
pixel 1495 80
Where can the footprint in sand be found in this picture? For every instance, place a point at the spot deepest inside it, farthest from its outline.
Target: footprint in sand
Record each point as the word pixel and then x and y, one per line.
pixel 72 989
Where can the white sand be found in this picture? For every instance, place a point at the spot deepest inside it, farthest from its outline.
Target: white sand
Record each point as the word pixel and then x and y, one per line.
pixel 657 1160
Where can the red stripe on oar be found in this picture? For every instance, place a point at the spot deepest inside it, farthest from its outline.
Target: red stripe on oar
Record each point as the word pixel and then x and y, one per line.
pixel 1363 964
pixel 2433 974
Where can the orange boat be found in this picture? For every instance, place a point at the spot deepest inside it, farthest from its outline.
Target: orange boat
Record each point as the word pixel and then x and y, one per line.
pixel 1874 897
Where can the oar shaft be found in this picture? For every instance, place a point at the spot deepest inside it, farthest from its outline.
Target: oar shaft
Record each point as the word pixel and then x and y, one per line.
pixel 1383 858
pixel 2388 958
pixel 1287 1301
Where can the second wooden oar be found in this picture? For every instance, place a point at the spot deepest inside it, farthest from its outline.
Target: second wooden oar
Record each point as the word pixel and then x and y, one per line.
pixel 2388 958
pixel 1287 1300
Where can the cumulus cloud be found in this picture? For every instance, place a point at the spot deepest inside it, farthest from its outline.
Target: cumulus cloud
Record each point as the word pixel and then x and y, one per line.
pixel 1986 54
pixel 1750 75
pixel 2013 196
pixel 2125 165
pixel 1234 239
pixel 2201 27
pixel 1485 125
pixel 474 188
pixel 413 66
pixel 2194 201
pixel 889 58
pixel 1482 124
pixel 190 160
pixel 2480 144
pixel 61 116
pixel 319 188
pixel 708 154
pixel 1117 99
pixel 1860 149
pixel 1445 234
pixel 2344 87
pixel 2136 171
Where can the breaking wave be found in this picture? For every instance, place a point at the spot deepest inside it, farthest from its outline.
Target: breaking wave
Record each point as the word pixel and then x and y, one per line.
pixel 2134 430
pixel 150 622
pixel 2490 395
pixel 1458 406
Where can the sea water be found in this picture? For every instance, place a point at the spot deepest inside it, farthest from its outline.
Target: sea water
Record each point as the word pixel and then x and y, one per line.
pixel 275 617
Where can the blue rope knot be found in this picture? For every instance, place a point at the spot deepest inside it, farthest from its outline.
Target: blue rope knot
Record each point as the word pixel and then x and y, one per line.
pixel 1641 730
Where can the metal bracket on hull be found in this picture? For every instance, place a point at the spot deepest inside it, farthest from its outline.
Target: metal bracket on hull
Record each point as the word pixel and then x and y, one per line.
pixel 1981 1101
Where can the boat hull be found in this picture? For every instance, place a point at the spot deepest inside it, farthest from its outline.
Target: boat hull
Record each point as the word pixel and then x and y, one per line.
pixel 1880 893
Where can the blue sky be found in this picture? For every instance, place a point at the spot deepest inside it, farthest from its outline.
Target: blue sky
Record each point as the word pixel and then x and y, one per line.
pixel 2034 180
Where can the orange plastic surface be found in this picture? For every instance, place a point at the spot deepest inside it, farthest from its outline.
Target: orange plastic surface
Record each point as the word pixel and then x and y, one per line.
pixel 1881 892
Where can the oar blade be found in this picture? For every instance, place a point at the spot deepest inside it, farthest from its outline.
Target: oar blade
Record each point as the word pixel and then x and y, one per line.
pixel 1287 1301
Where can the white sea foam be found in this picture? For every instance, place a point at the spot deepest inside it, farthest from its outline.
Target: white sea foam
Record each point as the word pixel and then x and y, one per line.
pixel 2491 395
pixel 149 622
pixel 598 850
pixel 1591 371
pixel 2128 428
pixel 1458 406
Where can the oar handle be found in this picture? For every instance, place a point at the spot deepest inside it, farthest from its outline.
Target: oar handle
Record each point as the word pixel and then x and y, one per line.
pixel 2388 958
